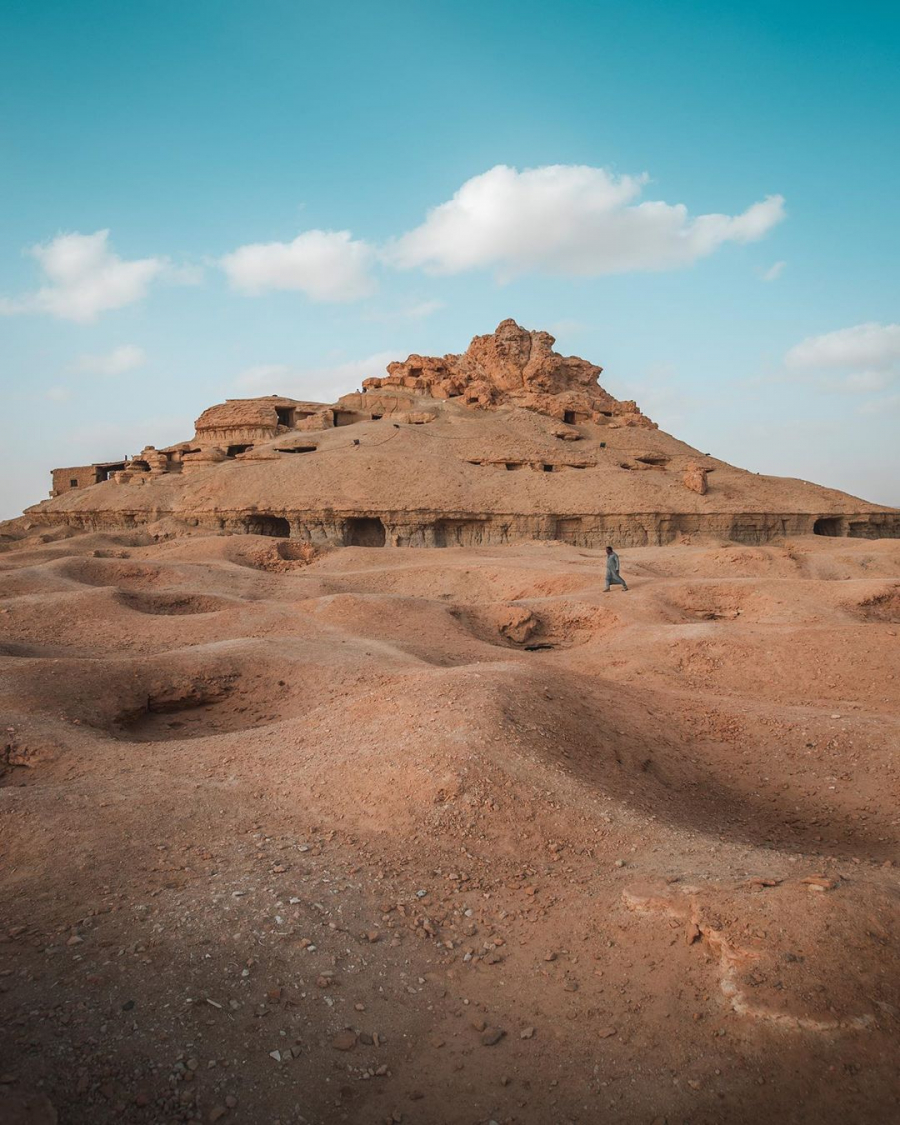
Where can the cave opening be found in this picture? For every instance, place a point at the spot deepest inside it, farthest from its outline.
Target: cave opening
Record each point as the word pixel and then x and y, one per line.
pixel 364 531
pixel 262 524
pixel 827 525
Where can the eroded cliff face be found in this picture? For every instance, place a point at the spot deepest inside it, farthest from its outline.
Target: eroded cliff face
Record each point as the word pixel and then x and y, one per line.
pixel 517 367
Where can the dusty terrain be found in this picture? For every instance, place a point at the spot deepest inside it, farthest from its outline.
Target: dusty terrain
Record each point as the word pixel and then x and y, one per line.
pixel 448 836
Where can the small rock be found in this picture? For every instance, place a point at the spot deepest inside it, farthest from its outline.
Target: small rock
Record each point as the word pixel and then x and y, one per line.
pixel 344 1040
pixel 819 883
pixel 527 1033
pixel 491 1035
pixel 606 1032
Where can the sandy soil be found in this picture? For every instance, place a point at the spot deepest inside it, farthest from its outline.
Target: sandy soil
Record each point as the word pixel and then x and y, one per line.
pixel 449 836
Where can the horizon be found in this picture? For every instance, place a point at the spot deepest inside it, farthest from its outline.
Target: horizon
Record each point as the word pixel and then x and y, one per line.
pixel 238 200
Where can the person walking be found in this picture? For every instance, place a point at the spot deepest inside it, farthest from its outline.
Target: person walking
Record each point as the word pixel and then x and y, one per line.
pixel 612 571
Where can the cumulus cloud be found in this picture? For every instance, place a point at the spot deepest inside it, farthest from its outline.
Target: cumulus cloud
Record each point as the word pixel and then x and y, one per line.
pixel 83 277
pixel 569 220
pixel 326 265
pixel 120 360
pixel 871 346
pixel 318 384
pixel 774 271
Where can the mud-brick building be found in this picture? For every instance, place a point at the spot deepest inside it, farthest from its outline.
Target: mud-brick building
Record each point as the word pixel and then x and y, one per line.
pixel 80 476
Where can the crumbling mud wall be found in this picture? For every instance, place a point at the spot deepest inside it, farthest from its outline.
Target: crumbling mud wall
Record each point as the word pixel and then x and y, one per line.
pixel 469 529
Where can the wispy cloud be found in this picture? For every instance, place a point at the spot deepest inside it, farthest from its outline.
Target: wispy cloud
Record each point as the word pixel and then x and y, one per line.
pixel 127 357
pixel 774 271
pixel 405 311
pixel 319 384
pixel 861 360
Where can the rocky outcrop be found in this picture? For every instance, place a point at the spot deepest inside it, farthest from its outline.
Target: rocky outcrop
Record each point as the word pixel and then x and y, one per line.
pixel 517 367
pixel 695 479
pixel 256 419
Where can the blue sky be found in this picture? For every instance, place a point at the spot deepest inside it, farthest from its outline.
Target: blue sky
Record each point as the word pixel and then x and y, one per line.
pixel 702 198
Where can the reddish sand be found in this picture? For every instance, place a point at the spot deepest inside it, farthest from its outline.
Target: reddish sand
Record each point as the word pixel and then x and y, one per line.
pixel 449 836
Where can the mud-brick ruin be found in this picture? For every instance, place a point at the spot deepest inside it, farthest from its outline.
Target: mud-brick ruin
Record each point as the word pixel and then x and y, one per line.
pixel 505 442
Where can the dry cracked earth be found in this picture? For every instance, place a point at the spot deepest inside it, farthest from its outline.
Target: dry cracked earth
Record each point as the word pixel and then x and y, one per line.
pixel 448 836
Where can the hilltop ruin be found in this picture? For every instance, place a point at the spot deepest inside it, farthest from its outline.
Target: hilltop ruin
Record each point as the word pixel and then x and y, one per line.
pixel 459 450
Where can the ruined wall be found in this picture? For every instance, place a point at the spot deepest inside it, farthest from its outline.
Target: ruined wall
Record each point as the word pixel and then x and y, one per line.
pixel 61 479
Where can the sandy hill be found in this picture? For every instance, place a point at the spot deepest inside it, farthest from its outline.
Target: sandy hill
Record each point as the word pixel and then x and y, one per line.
pixel 507 441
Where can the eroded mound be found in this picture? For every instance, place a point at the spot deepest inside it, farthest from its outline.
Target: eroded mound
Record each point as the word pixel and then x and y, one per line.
pixel 190 709
pixel 881 607
pixel 171 604
pixel 111 572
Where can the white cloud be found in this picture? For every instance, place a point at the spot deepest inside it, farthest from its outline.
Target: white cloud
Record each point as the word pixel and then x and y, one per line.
pixel 865 382
pixel 128 357
pixel 889 404
pixel 774 271
pixel 862 360
pixel 84 277
pixel 421 309
pixel 326 265
pixel 571 220
pixel 871 346
pixel 58 394
pixel 317 384
pixel 411 310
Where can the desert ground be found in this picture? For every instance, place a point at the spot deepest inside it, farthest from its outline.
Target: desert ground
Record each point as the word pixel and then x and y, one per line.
pixel 448 836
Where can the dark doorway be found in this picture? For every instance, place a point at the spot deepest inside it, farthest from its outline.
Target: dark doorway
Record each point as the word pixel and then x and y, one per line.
pixel 276 526
pixel 233 450
pixel 297 449
pixel 285 416
pixel 364 531
pixel 344 417
pixel 827 525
